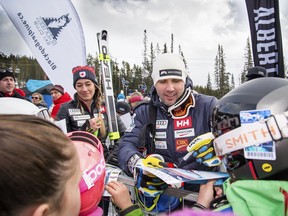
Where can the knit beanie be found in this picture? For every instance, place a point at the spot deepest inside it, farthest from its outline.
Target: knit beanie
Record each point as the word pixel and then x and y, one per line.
pixel 84 72
pixel 58 88
pixel 168 66
pixel 6 73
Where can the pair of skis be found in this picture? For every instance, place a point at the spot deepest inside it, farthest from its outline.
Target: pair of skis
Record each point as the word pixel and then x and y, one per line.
pixel 107 83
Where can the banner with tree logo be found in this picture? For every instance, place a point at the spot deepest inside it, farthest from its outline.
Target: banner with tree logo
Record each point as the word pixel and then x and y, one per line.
pixel 53 32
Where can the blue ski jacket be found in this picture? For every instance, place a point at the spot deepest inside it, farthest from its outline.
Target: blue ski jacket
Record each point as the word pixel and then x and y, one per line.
pixel 172 135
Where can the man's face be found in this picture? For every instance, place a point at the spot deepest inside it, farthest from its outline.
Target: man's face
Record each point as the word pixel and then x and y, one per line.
pixel 7 85
pixel 169 90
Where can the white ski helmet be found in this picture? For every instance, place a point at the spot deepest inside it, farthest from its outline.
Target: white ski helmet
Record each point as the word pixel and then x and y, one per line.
pixel 10 105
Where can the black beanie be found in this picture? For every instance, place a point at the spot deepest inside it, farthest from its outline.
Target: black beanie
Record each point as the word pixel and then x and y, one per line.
pixel 84 72
pixel 6 73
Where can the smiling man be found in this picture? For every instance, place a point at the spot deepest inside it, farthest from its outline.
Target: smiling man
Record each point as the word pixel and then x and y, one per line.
pixel 7 85
pixel 180 116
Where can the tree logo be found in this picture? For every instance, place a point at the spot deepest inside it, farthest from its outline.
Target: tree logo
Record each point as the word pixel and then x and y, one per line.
pixel 50 28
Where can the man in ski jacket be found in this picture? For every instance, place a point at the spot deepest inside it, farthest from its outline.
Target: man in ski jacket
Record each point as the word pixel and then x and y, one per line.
pixel 180 116
pixel 7 85
pixel 183 117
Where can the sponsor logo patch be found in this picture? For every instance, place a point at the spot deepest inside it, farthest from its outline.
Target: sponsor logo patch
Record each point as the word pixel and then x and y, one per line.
pixel 81 117
pixel 74 112
pixel 183 123
pixel 181 145
pixel 160 144
pixel 80 123
pixel 103 109
pixel 161 135
pixel 170 72
pixel 184 133
pixel 82 74
pixel 161 124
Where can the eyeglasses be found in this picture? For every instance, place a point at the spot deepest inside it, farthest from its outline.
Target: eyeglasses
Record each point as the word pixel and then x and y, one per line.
pixel 35 98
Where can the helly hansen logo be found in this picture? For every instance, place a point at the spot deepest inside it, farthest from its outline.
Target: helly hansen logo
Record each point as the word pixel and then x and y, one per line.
pixel 170 72
pixel 183 123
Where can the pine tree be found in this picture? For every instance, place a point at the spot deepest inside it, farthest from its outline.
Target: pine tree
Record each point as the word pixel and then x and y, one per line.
pixel 209 89
pixel 248 61
pixel 172 43
pixel 217 69
pixel 152 56
pixel 232 82
pixel 209 84
pixel 158 50
pixel 165 50
pixel 145 62
pixel 182 54
pixel 221 76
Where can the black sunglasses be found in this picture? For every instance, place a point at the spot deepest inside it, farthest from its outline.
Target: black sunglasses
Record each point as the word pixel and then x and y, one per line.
pixel 35 97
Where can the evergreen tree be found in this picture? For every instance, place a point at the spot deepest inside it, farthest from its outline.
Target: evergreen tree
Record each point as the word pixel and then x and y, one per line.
pixel 158 50
pixel 217 69
pixel 209 84
pixel 117 84
pixel 165 50
pixel 232 82
pixel 146 65
pixel 172 43
pixel 248 61
pixel 94 62
pixel 221 76
pixel 181 53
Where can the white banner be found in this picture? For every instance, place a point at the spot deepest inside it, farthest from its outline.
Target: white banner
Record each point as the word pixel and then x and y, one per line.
pixel 54 34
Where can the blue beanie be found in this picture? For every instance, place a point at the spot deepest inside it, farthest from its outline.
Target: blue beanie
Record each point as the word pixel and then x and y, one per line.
pixel 84 72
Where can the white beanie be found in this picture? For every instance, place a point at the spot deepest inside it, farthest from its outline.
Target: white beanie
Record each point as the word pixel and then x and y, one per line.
pixel 168 66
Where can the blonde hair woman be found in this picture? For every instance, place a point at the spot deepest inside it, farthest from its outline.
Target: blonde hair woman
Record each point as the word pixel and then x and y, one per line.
pixel 38 100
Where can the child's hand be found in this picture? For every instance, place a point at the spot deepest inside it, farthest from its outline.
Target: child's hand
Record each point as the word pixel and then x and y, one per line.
pixel 206 193
pixel 119 194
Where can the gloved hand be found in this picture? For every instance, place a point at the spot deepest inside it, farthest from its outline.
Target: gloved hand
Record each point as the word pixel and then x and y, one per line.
pixel 201 149
pixel 146 183
pixel 149 188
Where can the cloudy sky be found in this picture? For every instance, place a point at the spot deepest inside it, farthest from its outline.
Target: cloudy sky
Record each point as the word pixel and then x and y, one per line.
pixel 198 27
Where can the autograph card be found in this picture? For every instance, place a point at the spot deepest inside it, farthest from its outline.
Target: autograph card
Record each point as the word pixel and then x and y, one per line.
pixel 112 173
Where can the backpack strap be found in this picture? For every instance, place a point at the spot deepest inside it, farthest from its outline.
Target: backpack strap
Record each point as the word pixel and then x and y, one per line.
pixel 149 129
